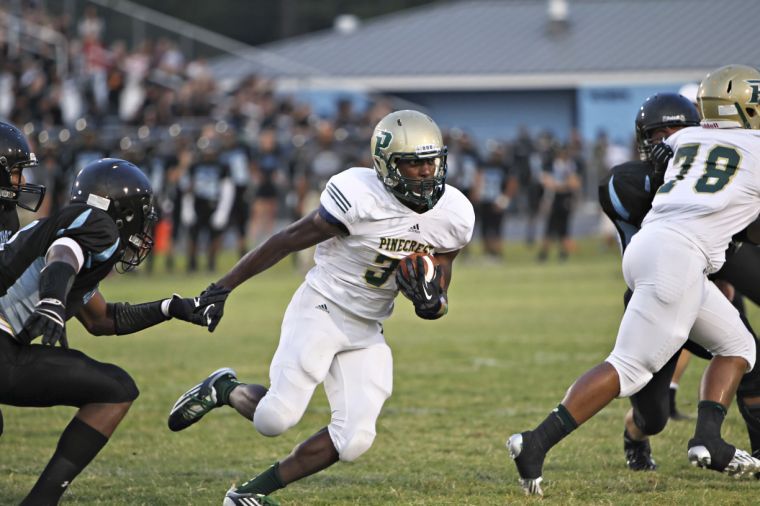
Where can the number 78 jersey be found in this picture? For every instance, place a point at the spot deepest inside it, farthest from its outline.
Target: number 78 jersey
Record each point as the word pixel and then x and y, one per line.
pixel 711 189
pixel 357 271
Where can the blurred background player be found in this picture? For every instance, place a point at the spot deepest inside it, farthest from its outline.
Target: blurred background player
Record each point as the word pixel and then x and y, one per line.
pixel 269 170
pixel 49 273
pixel 367 222
pixel 495 186
pixel 237 156
pixel 562 183
pixel 212 195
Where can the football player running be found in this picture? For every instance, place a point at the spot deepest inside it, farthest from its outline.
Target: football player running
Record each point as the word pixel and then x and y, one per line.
pixel 15 156
pixel 704 201
pixel 367 222
pixel 625 195
pixel 49 272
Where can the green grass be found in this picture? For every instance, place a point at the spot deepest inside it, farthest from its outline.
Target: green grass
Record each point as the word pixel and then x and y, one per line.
pixel 516 336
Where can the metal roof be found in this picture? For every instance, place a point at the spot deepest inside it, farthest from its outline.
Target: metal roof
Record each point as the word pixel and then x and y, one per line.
pixel 491 44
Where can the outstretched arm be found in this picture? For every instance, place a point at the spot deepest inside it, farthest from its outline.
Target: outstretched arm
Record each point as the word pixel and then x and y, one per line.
pixel 101 318
pixel 312 229
pixel 304 233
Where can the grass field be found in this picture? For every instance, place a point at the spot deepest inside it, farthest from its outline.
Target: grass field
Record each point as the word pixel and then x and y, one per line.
pixel 516 336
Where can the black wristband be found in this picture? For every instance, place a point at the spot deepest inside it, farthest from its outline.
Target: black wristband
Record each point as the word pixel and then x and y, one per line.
pixel 56 280
pixel 128 319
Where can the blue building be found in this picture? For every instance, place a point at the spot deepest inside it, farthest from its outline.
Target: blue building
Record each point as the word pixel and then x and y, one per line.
pixel 493 65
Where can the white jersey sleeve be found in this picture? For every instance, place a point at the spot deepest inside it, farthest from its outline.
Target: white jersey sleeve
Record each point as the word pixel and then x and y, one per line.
pixel 335 198
pixel 357 271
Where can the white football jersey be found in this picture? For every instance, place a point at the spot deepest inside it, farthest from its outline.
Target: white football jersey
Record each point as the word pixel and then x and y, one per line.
pixel 711 189
pixel 357 271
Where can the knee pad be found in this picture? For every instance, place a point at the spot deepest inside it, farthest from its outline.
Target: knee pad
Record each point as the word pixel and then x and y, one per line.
pixel 354 445
pixel 120 388
pixel 273 417
pixel 632 376
pixel 652 422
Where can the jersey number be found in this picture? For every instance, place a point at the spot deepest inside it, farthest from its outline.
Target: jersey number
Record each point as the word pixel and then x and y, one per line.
pixel 379 275
pixel 720 166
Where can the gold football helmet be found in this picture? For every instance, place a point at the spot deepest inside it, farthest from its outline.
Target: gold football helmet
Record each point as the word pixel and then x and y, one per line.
pixel 409 135
pixel 729 98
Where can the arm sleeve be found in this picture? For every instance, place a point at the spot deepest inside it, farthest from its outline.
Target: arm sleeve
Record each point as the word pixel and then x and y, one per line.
pixel 129 319
pixel 332 220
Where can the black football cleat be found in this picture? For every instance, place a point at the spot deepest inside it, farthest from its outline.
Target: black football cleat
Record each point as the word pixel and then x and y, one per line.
pixel 638 454
pixel 529 459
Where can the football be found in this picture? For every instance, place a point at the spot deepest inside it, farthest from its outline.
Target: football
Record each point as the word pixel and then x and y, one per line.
pixel 429 262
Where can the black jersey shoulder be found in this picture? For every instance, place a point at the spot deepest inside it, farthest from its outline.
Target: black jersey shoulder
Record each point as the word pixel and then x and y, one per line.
pixel 92 229
pixel 626 192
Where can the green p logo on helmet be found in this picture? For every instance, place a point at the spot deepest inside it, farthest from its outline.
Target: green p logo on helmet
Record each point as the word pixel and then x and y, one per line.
pixel 409 135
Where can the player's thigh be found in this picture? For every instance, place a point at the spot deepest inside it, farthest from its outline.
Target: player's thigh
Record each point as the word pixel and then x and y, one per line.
pixel 668 288
pixel 358 384
pixel 42 376
pixel 309 339
pixel 652 331
pixel 719 328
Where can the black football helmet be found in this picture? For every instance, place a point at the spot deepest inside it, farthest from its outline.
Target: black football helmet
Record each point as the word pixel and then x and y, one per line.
pixel 15 154
pixel 662 110
pixel 122 190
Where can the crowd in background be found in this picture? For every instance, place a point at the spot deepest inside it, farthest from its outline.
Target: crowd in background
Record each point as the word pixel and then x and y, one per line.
pixel 234 162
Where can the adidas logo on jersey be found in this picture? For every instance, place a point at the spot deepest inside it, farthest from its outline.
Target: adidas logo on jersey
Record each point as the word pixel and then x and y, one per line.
pixel 322 307
pixel 415 228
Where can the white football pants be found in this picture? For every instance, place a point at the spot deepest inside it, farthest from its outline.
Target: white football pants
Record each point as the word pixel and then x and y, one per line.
pixel 320 342
pixel 671 297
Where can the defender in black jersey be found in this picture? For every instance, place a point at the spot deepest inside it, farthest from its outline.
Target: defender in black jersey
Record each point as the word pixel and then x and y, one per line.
pixel 49 272
pixel 15 156
pixel 625 195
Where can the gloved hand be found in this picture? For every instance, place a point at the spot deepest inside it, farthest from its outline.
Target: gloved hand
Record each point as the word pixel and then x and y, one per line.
pixel 661 155
pixel 427 296
pixel 211 305
pixel 184 309
pixel 48 320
